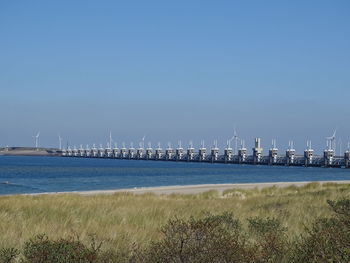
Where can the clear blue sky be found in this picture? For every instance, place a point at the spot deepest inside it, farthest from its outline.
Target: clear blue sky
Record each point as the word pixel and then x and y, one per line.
pixel 174 70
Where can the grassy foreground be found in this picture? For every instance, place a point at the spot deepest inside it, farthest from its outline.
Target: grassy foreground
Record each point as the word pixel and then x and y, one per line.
pixel 121 219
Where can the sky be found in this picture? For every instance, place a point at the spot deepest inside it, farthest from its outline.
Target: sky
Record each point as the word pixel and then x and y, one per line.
pixel 174 70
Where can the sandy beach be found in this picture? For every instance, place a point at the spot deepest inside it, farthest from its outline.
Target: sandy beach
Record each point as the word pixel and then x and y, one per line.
pixel 191 189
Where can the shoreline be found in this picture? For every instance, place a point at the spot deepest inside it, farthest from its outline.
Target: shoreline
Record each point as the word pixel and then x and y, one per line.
pixel 185 189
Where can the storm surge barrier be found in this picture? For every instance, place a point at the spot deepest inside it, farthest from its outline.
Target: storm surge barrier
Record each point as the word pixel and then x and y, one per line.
pixel 213 155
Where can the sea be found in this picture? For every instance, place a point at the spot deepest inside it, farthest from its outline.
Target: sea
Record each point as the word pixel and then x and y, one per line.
pixel 25 174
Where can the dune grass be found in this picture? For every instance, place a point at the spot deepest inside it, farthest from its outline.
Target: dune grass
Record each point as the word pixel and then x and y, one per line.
pixel 121 219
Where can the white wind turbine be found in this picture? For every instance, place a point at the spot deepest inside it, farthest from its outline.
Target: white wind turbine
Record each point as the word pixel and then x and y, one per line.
pixel 110 139
pixel 234 137
pixel 143 141
pixel 36 139
pixel 331 140
pixel 60 141
pixel 340 143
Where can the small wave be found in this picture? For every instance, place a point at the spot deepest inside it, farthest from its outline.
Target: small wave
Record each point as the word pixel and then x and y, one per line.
pixel 22 186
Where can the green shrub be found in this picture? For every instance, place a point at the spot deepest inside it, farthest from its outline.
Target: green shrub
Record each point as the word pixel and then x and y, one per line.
pixel 214 238
pixel 8 255
pixel 42 250
pixel 270 241
pixel 328 240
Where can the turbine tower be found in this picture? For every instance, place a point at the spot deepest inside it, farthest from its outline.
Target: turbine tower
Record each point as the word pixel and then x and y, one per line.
pixel 60 141
pixel 36 139
pixel 235 138
pixel 331 141
pixel 110 139
pixel 143 141
pixel 340 143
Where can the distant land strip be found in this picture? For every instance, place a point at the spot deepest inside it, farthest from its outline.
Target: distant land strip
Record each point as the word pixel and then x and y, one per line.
pixel 29 151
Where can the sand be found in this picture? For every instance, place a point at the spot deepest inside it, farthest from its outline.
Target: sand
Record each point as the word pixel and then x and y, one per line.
pixel 191 189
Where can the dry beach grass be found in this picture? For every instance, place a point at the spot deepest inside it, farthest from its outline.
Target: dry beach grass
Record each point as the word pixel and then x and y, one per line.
pixel 121 219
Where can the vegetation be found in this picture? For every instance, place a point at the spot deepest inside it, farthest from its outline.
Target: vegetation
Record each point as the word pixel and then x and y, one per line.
pixel 292 224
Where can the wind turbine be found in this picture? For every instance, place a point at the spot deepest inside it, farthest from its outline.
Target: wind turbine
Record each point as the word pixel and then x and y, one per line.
pixel 273 144
pixel 143 141
pixel 308 145
pixel 291 145
pixel 340 142
pixel 234 137
pixel 110 139
pixel 60 141
pixel 36 138
pixel 331 141
pixel 242 144
pixel 229 142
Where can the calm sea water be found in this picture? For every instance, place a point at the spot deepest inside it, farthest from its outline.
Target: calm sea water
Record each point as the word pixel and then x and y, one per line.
pixel 55 174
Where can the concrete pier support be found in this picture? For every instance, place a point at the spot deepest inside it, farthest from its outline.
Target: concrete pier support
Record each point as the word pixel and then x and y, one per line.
pixel 116 152
pixel 328 156
pixel 257 151
pixel 81 152
pixel 273 153
pixel 169 153
pixel 290 157
pixel 242 155
pixel 214 156
pixel 308 156
pixel 149 153
pixel 228 154
pixel 179 153
pixel 139 153
pixel 159 153
pixel 273 156
pixel 69 152
pixel 131 153
pixel 75 152
pixel 190 153
pixel 202 154
pixel 94 152
pixel 123 152
pixel 101 152
pixel 108 152
pixel 347 159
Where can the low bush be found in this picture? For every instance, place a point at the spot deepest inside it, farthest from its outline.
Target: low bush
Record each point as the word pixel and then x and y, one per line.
pixel 214 238
pixel 42 250
pixel 270 241
pixel 328 240
pixel 8 255
pixel 208 239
